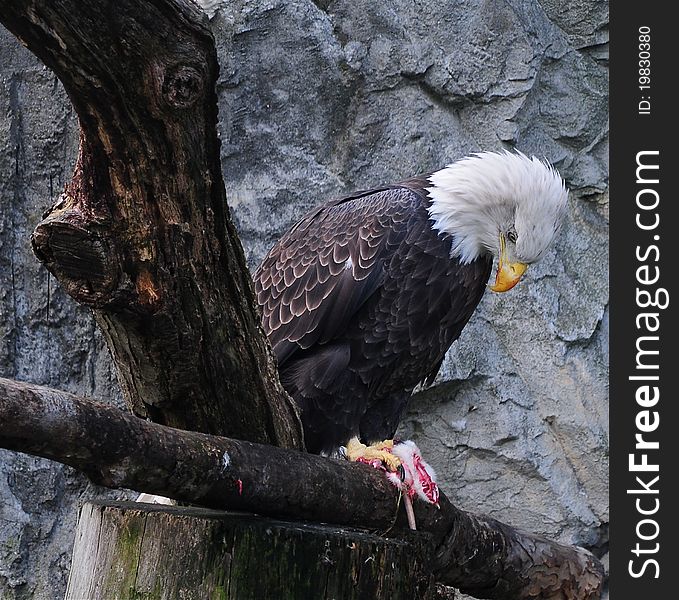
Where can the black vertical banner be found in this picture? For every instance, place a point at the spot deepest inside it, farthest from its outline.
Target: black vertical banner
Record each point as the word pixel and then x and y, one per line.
pixel 644 247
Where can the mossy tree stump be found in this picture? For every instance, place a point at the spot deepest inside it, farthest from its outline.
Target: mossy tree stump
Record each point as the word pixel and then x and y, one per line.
pixel 138 551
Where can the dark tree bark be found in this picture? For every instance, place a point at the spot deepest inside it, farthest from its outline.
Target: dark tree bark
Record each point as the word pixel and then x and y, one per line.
pixel 142 234
pixel 474 553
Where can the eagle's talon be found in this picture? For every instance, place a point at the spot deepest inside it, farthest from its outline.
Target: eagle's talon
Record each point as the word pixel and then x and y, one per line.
pixel 378 455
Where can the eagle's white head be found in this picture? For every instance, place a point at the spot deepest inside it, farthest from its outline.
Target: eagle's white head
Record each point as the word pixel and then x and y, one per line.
pixel 504 203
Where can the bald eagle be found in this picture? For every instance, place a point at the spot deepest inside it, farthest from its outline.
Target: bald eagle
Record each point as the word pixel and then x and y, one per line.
pixel 362 298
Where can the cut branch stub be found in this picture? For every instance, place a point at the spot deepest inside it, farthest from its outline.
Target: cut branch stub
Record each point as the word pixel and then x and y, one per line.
pixel 79 256
pixel 143 234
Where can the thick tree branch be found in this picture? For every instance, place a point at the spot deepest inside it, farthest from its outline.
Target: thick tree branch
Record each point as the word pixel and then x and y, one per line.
pixel 476 554
pixel 142 234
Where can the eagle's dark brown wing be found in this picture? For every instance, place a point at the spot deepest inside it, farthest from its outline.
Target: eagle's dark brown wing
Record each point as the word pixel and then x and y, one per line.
pixel 325 268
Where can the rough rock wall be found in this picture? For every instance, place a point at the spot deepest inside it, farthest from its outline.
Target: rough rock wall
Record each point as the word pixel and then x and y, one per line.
pixel 317 99
pixel 44 336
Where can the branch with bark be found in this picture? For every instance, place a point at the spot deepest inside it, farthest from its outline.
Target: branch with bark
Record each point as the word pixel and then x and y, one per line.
pixel 476 554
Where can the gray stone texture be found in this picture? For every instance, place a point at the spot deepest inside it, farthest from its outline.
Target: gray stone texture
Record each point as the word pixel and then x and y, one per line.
pixel 321 98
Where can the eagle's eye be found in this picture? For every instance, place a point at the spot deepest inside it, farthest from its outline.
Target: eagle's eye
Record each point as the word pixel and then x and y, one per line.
pixel 511 236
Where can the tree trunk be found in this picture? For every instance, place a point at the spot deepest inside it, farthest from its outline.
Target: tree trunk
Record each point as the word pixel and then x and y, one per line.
pixel 142 234
pixel 127 550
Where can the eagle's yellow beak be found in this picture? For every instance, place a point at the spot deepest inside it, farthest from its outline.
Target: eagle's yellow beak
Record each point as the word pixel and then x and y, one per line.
pixel 508 274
